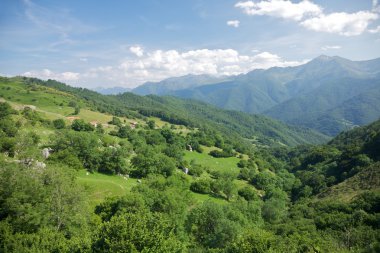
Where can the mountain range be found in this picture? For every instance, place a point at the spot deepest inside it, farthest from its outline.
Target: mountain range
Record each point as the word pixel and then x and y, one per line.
pixel 111 91
pixel 328 94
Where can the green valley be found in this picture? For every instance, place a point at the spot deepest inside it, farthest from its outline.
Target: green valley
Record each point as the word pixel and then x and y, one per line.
pixel 84 172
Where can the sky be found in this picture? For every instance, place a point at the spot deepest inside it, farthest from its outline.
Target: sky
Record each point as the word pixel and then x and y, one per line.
pixel 126 43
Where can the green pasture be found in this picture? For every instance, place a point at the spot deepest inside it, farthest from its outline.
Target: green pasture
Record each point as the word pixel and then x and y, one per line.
pixel 220 164
pixel 101 186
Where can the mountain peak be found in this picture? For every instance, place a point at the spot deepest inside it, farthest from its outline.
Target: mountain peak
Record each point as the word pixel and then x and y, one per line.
pixel 324 58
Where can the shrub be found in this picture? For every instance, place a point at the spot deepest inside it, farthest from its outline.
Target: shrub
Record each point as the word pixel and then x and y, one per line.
pixel 201 186
pixel 59 123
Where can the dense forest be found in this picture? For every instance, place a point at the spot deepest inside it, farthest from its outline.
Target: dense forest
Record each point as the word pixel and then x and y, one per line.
pixel 283 194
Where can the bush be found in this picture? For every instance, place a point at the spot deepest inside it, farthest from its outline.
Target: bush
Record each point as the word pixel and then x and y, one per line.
pixel 115 121
pixel 201 186
pixel 67 158
pixel 196 170
pixel 81 125
pixel 223 153
pixel 6 109
pixel 242 163
pixel 59 123
pixel 247 193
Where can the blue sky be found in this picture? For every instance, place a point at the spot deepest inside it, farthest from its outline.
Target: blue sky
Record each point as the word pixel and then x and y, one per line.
pixel 125 43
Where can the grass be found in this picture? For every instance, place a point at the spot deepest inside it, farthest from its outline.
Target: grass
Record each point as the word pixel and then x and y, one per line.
pixel 54 104
pixel 220 164
pixel 101 186
pixel 200 198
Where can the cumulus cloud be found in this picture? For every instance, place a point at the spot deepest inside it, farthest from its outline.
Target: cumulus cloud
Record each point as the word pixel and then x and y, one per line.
pixel 48 74
pixel 233 23
pixel 137 50
pixel 312 17
pixel 325 48
pixel 280 8
pixel 157 65
pixel 348 24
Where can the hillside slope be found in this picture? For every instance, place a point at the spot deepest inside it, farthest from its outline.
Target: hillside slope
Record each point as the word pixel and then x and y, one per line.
pixel 260 129
pixel 320 89
pixel 254 127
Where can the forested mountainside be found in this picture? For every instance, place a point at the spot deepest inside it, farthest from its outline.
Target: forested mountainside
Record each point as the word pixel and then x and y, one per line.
pixel 332 90
pixel 256 128
pixel 76 177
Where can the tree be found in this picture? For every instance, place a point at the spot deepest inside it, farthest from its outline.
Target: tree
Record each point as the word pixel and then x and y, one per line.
pixel 151 124
pixel 6 110
pixel 81 125
pixel 67 158
pixel 264 180
pixel 115 121
pixel 242 163
pixel 210 227
pixel 275 205
pixel 150 162
pixel 253 241
pixel 42 211
pixel 123 131
pixel 113 161
pixel 76 110
pixel 201 186
pixel 137 232
pixel 99 129
pixel 59 123
pixel 248 193
pixel 73 104
pixel 84 145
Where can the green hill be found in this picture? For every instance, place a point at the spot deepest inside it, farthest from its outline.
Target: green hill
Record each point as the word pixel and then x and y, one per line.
pixel 69 185
pixel 260 129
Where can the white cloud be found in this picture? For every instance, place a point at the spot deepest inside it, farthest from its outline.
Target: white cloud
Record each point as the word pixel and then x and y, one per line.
pixel 311 16
pixel 83 59
pixel 376 30
pixel 348 24
pixel 233 23
pixel 137 50
pixel 48 74
pixel 325 48
pixel 159 64
pixel 279 8
pixel 266 60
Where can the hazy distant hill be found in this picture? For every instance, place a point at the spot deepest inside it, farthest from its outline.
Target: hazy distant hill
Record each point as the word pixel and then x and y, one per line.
pixel 341 92
pixel 111 91
pixel 175 83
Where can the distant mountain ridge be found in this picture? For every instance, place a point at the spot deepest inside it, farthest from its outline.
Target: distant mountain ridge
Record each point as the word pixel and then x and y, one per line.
pixel 111 91
pixel 329 94
pixel 176 83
